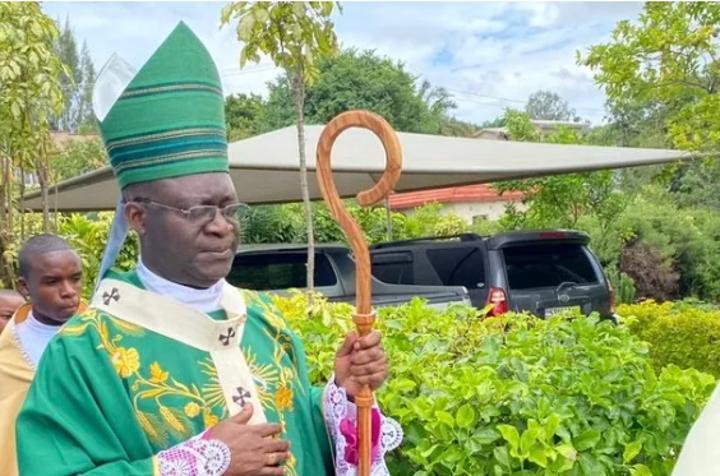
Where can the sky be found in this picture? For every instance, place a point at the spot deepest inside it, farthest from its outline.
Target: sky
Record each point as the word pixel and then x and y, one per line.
pixel 488 55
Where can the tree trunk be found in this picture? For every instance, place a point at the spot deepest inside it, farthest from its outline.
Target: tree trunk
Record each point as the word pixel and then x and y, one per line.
pixel 42 173
pixel 5 268
pixel 388 214
pixel 298 88
pixel 55 207
pixel 22 202
pixel 8 199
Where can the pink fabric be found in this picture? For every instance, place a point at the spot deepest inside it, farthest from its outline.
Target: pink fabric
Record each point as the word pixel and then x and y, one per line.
pixel 349 431
pixel 340 416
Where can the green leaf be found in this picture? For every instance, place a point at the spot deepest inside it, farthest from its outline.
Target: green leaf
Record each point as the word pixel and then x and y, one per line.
pixel 226 13
pixel 586 440
pixel 262 15
pixel 528 439
pixel 640 470
pixel 451 456
pixel 429 451
pixel 327 8
pixel 15 110
pixel 445 417
pixel 591 466
pixel 36 30
pixel 510 434
pixel 465 416
pixel 537 455
pixel 486 436
pixel 299 9
pixel 567 451
pixel 403 385
pixel 501 455
pixel 551 424
pixel 632 450
pixel 245 27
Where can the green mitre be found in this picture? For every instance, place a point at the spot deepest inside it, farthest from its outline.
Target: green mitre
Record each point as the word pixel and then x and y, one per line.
pixel 170 120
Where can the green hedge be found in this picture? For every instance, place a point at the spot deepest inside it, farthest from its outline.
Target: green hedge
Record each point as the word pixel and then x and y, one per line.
pixel 680 333
pixel 517 395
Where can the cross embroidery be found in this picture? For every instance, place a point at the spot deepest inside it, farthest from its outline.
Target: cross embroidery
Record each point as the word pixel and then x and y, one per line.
pixel 114 294
pixel 242 396
pixel 225 338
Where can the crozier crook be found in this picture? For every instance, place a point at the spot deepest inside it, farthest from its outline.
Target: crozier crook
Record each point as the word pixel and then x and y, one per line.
pixel 364 317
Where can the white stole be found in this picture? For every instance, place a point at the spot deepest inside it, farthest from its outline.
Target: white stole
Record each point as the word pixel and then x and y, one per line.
pixel 170 318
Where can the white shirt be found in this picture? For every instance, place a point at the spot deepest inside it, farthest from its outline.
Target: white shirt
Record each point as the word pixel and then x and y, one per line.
pixel 203 300
pixel 34 337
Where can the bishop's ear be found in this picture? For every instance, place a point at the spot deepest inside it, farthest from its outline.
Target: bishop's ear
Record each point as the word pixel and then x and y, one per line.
pixel 136 215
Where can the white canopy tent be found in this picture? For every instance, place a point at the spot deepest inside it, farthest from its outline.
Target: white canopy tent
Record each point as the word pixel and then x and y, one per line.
pixel 264 168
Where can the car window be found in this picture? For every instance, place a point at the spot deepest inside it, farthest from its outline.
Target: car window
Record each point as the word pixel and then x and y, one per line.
pixel 393 268
pixel 459 266
pixel 279 271
pixel 540 265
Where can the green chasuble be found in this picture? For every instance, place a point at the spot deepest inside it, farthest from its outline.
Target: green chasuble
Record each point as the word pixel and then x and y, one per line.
pixel 109 394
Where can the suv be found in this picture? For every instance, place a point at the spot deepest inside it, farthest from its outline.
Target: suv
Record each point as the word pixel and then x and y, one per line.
pixel 542 272
pixel 279 268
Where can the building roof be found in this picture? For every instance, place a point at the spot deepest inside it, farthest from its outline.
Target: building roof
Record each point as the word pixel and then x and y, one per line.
pixel 480 193
pixel 543 126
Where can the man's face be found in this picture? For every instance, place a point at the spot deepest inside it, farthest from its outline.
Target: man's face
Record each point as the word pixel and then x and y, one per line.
pixel 9 303
pixel 54 284
pixel 181 249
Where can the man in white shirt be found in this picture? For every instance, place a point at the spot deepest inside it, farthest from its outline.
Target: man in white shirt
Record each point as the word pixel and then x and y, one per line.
pixel 51 279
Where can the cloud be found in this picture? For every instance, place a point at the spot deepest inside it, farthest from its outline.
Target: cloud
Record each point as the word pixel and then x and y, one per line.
pixel 489 55
pixel 541 15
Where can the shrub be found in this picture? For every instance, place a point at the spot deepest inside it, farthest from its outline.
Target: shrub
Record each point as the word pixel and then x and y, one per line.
pixel 687 238
pixel 652 277
pixel 88 236
pixel 682 334
pixel 517 395
pixel 623 285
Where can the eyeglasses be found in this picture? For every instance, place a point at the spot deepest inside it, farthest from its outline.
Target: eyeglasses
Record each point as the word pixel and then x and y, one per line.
pixel 201 215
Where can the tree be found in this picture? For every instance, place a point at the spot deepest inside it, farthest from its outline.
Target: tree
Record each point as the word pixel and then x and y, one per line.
pixel 364 80
pixel 669 60
pixel 661 75
pixel 85 115
pixel 77 83
pixel 547 105
pixel 66 49
pixel 31 93
pixel 497 122
pixel 245 116
pixel 560 201
pixel 293 34
pixel 351 80
pixel 78 156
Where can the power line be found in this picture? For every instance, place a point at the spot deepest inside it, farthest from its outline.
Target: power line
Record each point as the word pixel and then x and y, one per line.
pixel 239 72
pixel 485 96
pixel 509 100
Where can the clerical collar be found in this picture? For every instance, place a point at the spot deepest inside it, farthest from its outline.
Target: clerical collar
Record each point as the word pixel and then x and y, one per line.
pixel 203 300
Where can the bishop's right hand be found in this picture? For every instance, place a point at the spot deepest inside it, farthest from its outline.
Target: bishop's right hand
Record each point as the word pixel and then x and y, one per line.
pixel 254 449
